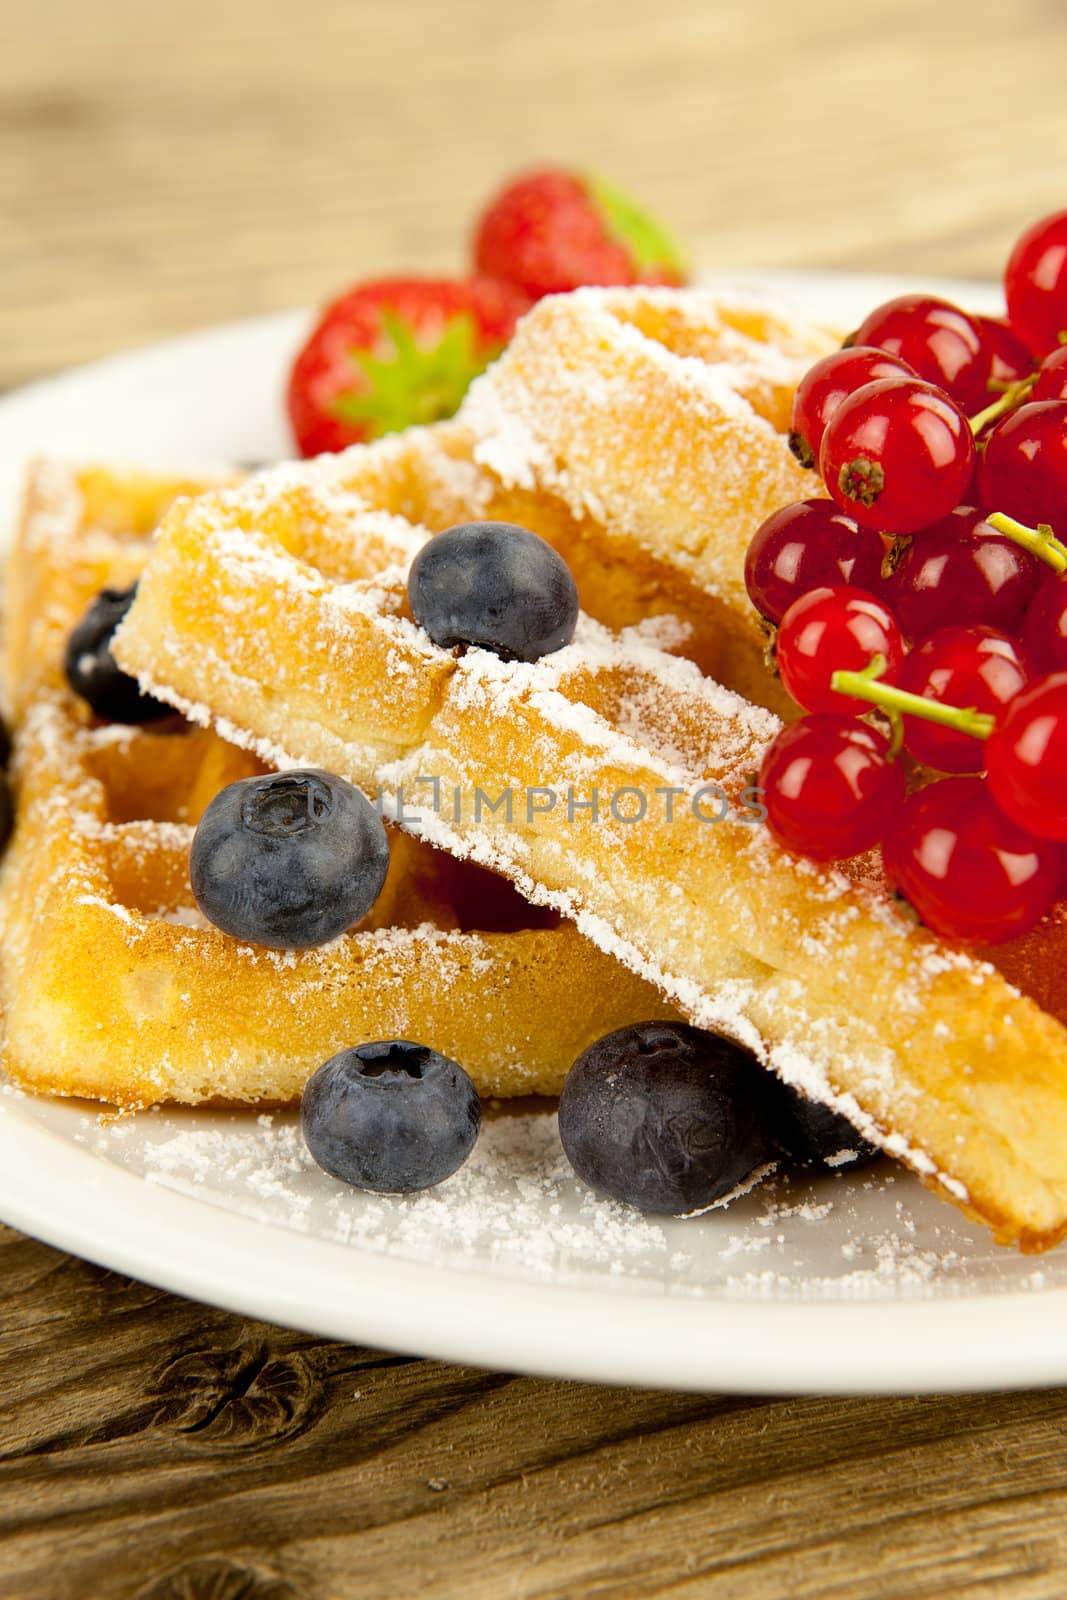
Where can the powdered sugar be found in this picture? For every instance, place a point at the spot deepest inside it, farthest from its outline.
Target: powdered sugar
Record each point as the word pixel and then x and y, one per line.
pixel 690 388
pixel 516 1209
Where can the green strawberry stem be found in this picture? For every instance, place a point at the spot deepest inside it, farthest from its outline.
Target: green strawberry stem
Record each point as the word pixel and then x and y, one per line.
pixel 411 381
pixel 865 686
pixel 1040 541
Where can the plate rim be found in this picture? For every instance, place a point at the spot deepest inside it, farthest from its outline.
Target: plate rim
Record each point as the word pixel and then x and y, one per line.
pixel 878 1346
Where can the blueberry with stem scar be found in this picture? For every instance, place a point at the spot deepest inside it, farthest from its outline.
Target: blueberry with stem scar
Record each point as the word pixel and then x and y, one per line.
pixel 665 1116
pixel 392 1116
pixel 290 860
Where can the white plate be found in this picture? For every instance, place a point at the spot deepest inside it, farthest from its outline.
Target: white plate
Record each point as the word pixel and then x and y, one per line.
pixel 846 1283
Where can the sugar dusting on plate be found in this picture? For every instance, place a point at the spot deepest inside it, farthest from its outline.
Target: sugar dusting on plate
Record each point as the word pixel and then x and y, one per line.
pixel 516 1210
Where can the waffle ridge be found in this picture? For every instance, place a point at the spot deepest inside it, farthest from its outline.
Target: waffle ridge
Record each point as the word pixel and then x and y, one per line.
pixel 647 432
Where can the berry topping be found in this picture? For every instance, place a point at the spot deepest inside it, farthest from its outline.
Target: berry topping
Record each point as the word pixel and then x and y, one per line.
pixel 939 341
pixel 1009 358
pixel 665 1117
pixel 1035 284
pixel 830 381
pixel 897 455
pixel 830 630
pixel 963 571
pixel 494 585
pixel 1023 468
pixel 945 634
pixel 1051 380
pixel 813 1135
pixel 392 1117
pixel 95 675
pixel 969 872
pixel 1027 758
pixel 551 231
pixel 1045 628
pixel 289 860
pixel 809 545
pixel 830 786
pixel 978 667
pixel 395 352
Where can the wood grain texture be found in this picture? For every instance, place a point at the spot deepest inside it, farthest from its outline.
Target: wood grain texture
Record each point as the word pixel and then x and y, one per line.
pixel 157 1448
pixel 165 166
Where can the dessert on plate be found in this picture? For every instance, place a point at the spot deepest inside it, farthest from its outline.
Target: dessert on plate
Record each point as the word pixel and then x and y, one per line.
pixel 738 655
pixel 924 1045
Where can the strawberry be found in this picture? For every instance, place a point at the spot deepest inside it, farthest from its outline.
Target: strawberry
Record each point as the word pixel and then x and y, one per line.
pixel 394 352
pixel 552 230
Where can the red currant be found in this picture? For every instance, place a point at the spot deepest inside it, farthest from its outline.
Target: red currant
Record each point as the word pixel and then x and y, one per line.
pixel 1026 758
pixel 969 872
pixel 897 455
pixel 1023 468
pixel 830 786
pixel 809 545
pixel 831 630
pixel 1045 628
pixel 1052 377
pixel 1009 359
pixel 831 380
pixel 940 341
pixel 1035 284
pixel 981 668
pixel 963 571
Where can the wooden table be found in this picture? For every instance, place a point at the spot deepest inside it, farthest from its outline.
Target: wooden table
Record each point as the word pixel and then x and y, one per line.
pixel 162 167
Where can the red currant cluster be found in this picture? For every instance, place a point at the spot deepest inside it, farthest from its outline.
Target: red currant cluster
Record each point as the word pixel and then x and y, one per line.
pixel 931 589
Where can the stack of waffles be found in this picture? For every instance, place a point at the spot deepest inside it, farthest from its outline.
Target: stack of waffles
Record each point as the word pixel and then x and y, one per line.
pixel 116 988
pixel 643 434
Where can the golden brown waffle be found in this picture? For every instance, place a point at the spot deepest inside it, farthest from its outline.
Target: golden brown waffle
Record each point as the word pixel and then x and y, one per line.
pixel 278 613
pixel 114 986
pixel 644 433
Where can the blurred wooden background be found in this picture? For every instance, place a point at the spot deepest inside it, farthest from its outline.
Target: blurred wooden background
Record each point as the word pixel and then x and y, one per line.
pixel 163 166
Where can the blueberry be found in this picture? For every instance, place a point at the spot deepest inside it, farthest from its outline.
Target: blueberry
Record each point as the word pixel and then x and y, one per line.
pixel 664 1116
pixel 494 585
pixel 812 1135
pixel 92 670
pixel 392 1116
pixel 289 860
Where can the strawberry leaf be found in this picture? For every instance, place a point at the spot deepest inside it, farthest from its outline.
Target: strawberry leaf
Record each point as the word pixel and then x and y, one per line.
pixel 410 382
pixel 648 242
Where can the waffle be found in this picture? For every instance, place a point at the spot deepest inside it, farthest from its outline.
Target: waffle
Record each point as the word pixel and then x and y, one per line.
pixel 644 433
pixel 113 985
pixel 277 613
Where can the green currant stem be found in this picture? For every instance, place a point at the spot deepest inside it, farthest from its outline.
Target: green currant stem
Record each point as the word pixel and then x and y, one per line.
pixel 870 674
pixel 1040 541
pixel 896 733
pixel 865 686
pixel 1013 393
